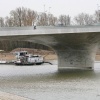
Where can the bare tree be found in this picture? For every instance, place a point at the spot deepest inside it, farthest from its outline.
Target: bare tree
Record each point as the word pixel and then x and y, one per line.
pixel 97 16
pixel 64 20
pixel 31 16
pixel 52 20
pixel 23 16
pixel 1 22
pixel 19 15
pixel 84 19
pixel 9 22
pixel 26 17
pixel 16 17
pixel 43 19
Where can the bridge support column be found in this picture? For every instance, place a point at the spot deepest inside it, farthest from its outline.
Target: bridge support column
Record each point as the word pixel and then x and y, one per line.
pixel 75 59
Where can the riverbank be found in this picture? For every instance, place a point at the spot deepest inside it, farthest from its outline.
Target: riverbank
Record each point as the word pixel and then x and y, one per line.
pixel 8 96
pixel 9 57
pixel 48 55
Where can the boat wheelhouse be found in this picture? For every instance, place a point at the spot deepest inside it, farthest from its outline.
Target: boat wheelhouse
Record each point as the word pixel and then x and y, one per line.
pixel 23 58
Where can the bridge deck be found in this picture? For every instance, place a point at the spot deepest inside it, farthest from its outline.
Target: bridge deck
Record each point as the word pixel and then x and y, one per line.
pixel 6 31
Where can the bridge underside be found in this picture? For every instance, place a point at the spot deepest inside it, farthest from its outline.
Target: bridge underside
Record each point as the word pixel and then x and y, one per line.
pixel 74 50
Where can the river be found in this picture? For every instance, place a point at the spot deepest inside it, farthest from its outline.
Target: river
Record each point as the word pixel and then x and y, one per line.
pixel 44 82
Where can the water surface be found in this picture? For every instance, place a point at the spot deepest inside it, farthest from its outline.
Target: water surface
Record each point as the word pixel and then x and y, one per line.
pixel 46 83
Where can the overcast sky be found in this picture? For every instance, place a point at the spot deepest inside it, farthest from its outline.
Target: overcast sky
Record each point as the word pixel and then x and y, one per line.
pixel 58 7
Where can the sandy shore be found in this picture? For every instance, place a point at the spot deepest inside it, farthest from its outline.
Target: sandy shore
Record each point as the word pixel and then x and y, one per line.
pixel 8 96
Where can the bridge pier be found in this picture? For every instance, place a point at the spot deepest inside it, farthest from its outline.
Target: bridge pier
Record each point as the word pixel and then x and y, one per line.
pixel 76 59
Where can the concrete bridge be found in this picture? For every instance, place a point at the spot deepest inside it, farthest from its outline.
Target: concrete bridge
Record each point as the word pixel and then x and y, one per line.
pixel 75 46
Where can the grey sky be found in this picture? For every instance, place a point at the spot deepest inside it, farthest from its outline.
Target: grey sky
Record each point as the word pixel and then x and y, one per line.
pixel 71 7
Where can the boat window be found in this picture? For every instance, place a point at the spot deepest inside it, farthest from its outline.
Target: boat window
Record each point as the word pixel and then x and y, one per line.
pixel 22 54
pixel 35 56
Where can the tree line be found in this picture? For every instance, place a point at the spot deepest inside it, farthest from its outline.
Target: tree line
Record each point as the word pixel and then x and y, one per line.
pixel 22 16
